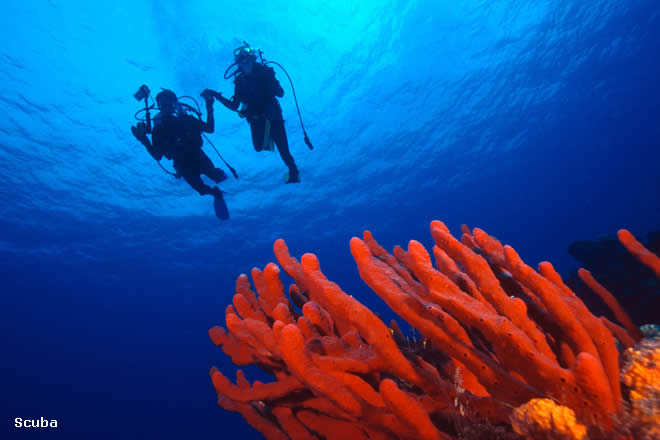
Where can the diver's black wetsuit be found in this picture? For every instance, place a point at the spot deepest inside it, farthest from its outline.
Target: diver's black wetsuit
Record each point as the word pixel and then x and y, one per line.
pixel 180 139
pixel 259 91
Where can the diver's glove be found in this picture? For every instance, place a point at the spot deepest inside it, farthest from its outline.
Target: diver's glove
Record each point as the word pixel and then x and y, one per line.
pixel 210 94
pixel 209 102
pixel 140 132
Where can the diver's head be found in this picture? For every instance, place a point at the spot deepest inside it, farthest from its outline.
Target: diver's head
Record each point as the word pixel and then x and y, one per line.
pixel 167 102
pixel 245 57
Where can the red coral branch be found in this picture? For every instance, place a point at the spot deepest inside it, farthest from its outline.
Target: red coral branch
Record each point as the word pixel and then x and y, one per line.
pixel 611 302
pixel 636 248
pixel 495 334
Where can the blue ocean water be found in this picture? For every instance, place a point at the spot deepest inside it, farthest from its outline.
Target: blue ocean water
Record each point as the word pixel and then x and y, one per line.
pixel 537 121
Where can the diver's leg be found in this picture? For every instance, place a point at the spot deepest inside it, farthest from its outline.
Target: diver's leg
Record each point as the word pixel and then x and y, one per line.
pixel 195 181
pixel 257 128
pixel 207 168
pixel 278 132
pixel 219 204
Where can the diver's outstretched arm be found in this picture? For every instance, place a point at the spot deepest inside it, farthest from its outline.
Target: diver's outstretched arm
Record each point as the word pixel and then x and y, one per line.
pixel 231 104
pixel 209 125
pixel 140 133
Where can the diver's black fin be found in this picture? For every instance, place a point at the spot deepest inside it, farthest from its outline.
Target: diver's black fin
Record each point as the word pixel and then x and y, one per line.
pixel 289 179
pixel 221 210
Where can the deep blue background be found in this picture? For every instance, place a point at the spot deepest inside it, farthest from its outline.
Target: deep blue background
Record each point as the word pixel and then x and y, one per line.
pixel 537 121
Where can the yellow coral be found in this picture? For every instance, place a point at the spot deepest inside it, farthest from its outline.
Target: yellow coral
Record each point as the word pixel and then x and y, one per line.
pixel 642 377
pixel 543 419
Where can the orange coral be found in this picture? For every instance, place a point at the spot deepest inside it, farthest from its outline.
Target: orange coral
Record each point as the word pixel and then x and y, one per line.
pixel 510 333
pixel 543 419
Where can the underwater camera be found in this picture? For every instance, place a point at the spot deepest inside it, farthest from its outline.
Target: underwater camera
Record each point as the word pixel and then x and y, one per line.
pixel 142 93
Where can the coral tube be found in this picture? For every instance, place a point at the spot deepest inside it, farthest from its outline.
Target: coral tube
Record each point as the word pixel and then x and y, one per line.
pixel 495 335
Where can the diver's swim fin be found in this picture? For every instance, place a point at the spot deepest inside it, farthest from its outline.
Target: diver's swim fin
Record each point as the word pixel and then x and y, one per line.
pixel 291 179
pixel 220 207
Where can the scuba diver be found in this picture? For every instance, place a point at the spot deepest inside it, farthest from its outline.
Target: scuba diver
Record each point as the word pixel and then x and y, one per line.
pixel 177 135
pixel 256 87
